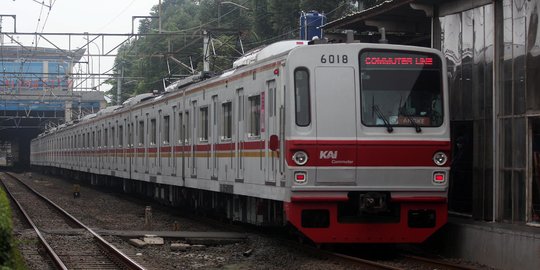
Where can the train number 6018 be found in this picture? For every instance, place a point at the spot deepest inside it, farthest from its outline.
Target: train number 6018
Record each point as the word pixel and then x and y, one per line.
pixel 331 59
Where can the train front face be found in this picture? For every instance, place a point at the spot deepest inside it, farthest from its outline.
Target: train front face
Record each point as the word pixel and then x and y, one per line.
pixel 368 144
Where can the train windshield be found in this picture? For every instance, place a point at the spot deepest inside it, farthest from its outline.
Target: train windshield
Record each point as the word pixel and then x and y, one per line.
pixel 401 88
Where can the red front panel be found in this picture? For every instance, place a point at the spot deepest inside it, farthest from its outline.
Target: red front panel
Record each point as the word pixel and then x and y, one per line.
pixel 367 232
pixel 367 153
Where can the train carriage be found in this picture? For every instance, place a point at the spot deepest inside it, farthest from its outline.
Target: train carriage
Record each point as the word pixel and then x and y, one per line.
pixel 348 143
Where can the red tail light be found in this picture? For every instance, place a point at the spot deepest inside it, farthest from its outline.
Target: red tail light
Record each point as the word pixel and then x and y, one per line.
pixel 300 177
pixel 439 178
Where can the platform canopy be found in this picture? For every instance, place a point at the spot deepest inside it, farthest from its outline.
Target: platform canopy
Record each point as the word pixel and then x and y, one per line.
pixel 405 22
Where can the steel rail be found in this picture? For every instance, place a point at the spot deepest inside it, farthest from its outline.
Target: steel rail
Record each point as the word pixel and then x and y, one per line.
pixel 122 258
pixel 366 264
pixel 436 262
pixel 54 257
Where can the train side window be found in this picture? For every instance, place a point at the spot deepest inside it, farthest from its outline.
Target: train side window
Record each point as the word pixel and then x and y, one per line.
pixel 271 97
pixel 302 97
pixel 254 128
pixel 203 126
pixel 141 133
pixel 106 138
pixel 98 138
pixel 166 129
pixel 153 131
pixel 130 134
pixel 188 127
pixel 226 126
pixel 120 135
pixel 181 135
pixel 113 136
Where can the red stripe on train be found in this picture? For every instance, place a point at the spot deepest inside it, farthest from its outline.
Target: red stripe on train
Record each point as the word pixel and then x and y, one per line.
pixel 334 153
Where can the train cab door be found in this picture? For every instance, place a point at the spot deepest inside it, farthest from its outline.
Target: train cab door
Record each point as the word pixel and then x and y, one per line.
pixel 272 128
pixel 335 109
pixel 239 140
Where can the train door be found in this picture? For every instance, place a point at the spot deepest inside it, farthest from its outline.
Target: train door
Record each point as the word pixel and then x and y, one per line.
pixel 125 145
pixel 166 150
pixel 272 128
pixel 106 147
pixel 178 153
pixel 101 147
pixel 186 129
pixel 131 143
pixel 175 141
pixel 193 136
pixel 139 144
pixel 110 161
pixel 335 109
pixel 214 133
pixel 155 142
pixel 146 145
pixel 239 134
pixel 94 148
pixel 114 142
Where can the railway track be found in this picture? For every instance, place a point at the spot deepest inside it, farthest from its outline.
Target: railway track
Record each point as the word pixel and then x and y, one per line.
pixel 401 262
pixel 79 247
pixel 393 260
pixel 347 257
pixel 435 263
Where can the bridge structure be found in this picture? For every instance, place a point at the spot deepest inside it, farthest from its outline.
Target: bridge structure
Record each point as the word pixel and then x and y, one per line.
pixel 36 92
pixel 66 77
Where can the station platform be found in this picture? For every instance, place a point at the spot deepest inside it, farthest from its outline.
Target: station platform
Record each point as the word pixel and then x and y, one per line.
pixel 497 245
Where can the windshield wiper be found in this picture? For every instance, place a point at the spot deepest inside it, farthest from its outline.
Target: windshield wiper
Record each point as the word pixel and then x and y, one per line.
pixel 416 126
pixel 377 110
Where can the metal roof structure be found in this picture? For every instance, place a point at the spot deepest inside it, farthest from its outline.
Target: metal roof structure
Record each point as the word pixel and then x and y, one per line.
pixel 404 21
pixel 15 53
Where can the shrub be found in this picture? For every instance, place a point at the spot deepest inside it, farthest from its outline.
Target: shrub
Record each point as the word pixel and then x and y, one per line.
pixel 10 257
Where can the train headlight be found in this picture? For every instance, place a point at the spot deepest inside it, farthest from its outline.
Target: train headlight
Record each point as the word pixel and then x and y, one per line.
pixel 440 158
pixel 300 158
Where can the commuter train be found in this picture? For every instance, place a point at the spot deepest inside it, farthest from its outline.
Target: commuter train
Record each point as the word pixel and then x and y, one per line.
pixel 348 143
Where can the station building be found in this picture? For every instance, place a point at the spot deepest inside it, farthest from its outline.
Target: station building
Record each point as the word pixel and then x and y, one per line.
pixel 36 92
pixel 492 50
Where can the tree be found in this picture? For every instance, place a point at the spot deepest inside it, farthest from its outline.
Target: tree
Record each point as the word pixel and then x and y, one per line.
pixel 144 61
pixel 147 61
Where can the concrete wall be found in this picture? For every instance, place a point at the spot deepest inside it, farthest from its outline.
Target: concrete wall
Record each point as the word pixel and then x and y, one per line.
pixel 501 246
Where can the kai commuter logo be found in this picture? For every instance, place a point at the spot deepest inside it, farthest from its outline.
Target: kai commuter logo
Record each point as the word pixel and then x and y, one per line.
pixel 328 155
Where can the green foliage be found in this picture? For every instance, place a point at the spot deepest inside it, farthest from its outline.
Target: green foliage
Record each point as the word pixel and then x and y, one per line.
pixel 235 26
pixel 9 255
pixel 5 230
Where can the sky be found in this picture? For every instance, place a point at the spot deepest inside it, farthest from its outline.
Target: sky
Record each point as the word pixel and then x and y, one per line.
pixel 74 16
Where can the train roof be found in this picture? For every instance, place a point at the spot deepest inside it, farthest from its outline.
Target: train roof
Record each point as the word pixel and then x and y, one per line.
pixel 250 57
pixel 273 49
pixel 108 110
pixel 137 99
